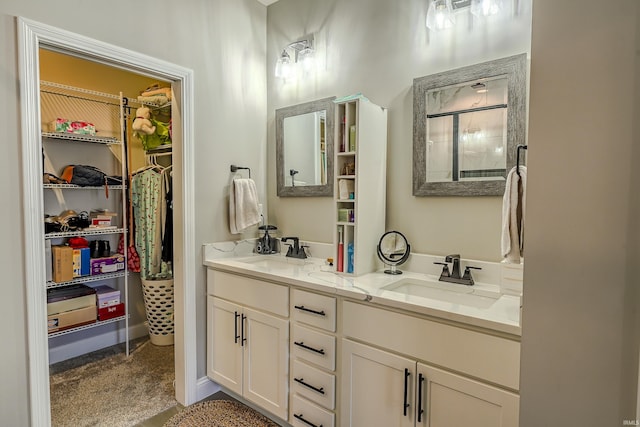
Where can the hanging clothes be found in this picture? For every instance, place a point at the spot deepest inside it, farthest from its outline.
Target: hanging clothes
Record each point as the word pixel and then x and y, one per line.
pixel 167 235
pixel 147 198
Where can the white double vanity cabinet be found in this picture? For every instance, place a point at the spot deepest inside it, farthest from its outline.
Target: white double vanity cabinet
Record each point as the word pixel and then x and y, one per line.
pixel 314 348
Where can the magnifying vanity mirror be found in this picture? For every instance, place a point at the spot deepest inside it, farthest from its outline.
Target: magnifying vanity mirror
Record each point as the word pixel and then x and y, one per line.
pixel 466 126
pixel 393 250
pixel 304 149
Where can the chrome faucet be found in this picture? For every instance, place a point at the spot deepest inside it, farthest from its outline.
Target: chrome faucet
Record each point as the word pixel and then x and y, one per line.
pixel 295 250
pixel 454 276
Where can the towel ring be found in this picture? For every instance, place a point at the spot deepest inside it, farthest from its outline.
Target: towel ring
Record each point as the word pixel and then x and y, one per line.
pixel 235 168
pixel 520 147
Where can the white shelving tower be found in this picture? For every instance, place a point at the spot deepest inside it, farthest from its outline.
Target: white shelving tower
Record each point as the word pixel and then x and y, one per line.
pixel 360 164
pixel 105 150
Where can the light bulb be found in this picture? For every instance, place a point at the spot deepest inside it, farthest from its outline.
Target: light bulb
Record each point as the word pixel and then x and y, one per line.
pixel 439 15
pixel 283 66
pixel 306 58
pixel 486 7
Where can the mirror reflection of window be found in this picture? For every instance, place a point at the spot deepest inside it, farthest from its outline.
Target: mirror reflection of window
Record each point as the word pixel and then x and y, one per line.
pixel 467 131
pixel 305 159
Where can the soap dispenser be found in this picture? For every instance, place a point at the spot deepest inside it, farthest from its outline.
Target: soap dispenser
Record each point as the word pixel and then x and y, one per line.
pixel 267 244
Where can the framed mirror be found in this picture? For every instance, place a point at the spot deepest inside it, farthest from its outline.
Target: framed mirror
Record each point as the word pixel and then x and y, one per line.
pixel 467 124
pixel 304 149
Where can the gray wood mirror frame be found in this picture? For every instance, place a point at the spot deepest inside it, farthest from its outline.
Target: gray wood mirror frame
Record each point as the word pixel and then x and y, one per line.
pixel 466 126
pixel 304 149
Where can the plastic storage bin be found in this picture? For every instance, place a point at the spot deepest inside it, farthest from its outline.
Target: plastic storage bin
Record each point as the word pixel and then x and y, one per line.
pixel 158 303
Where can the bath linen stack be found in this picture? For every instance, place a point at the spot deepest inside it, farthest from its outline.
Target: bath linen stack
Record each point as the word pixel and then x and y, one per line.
pixel 513 209
pixel 243 205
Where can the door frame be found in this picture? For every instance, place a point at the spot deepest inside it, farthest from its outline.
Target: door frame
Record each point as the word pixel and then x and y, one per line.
pixel 31 36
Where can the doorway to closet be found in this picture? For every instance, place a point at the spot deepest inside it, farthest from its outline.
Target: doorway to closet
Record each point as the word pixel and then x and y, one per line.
pixel 34 36
pixel 134 317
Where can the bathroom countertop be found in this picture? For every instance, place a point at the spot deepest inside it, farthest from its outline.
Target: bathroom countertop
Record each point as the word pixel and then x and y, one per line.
pixel 499 314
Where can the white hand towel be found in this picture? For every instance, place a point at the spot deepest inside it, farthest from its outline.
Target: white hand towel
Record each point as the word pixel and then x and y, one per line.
pixel 513 209
pixel 243 205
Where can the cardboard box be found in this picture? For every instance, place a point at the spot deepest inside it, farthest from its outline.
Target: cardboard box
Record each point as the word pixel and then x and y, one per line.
pixel 110 264
pixel 107 313
pixel 107 296
pixel 71 304
pixel 81 262
pixel 62 263
pixel 70 298
pixel 71 319
pixel 102 218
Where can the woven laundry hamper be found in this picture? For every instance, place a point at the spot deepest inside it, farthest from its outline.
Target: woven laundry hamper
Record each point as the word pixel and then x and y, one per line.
pixel 158 303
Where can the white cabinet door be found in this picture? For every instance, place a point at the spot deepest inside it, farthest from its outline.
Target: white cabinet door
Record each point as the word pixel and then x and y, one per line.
pixel 266 361
pixel 224 350
pixel 450 400
pixel 376 387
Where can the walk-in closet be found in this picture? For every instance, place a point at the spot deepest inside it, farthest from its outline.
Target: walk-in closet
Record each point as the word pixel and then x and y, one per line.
pixel 108 218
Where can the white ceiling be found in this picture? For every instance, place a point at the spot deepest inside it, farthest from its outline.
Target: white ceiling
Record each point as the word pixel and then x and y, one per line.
pixel 267 2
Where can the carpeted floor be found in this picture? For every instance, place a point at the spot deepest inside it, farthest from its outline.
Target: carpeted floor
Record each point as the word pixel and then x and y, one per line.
pixel 107 388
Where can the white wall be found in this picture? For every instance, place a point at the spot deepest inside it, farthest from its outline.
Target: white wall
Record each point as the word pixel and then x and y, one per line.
pixel 378 47
pixel 223 41
pixel 580 292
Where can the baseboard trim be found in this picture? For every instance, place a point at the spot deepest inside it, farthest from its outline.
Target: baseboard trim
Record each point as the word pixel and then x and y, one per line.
pixel 93 343
pixel 205 388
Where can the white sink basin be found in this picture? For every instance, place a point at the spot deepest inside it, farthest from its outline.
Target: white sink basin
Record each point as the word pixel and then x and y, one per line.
pixel 447 292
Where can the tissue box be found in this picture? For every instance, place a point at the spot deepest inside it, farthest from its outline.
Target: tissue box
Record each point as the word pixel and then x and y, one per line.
pixel 68 126
pixel 109 264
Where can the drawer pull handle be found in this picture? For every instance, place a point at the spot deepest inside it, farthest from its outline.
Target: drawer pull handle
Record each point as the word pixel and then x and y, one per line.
pixel 309 423
pixel 406 389
pixel 421 379
pixel 235 324
pixel 301 381
pixel 303 308
pixel 244 339
pixel 301 344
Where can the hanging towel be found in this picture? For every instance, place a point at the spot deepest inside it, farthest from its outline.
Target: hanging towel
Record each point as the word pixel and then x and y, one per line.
pixel 513 209
pixel 243 205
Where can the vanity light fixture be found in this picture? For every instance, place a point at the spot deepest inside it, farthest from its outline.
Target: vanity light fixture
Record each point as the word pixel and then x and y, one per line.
pixel 485 7
pixel 296 57
pixel 441 13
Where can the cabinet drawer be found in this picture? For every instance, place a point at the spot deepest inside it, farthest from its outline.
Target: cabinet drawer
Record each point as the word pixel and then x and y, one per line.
pixel 313 309
pixel 314 384
pixel 312 414
pixel 315 347
pixel 480 355
pixel 253 293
